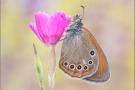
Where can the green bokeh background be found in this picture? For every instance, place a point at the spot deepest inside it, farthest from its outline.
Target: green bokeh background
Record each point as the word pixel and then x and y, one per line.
pixel 110 21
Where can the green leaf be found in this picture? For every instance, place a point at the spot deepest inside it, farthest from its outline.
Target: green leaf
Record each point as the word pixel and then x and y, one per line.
pixel 39 68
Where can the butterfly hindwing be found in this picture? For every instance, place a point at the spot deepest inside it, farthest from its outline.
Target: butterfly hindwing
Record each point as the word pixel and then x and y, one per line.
pixel 102 74
pixel 78 58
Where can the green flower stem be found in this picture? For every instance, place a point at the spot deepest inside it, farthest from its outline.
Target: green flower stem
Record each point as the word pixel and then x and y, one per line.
pixel 51 65
pixel 39 69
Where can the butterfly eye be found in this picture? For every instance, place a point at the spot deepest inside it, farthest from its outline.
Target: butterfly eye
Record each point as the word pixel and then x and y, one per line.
pixel 65 63
pixel 92 53
pixel 79 67
pixel 72 66
pixel 85 67
pixel 90 62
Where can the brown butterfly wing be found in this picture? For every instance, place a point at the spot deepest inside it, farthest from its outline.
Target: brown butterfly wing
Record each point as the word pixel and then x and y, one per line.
pixel 75 54
pixel 102 74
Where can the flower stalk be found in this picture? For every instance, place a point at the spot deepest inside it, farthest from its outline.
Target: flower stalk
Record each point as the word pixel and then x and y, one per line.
pixel 51 65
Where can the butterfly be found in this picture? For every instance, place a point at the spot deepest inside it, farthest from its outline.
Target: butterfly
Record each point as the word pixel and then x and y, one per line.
pixel 81 56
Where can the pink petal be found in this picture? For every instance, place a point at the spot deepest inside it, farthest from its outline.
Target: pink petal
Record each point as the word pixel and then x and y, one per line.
pixel 53 23
pixel 57 25
pixel 42 20
pixel 62 24
pixel 34 29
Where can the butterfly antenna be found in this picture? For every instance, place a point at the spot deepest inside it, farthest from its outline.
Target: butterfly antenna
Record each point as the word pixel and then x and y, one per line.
pixel 83 12
pixel 65 19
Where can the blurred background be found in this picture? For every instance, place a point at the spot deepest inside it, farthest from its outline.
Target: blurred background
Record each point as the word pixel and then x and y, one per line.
pixel 110 21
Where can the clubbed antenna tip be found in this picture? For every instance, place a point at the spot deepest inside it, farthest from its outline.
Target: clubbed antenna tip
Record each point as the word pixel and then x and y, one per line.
pixel 83 12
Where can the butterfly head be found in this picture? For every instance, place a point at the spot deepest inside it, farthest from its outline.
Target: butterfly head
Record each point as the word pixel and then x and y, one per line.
pixel 77 22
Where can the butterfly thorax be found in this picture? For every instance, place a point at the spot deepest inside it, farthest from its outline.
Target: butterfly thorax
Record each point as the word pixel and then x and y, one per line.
pixel 76 26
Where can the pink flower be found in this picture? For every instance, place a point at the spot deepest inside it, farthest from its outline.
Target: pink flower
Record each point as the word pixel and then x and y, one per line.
pixel 49 29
